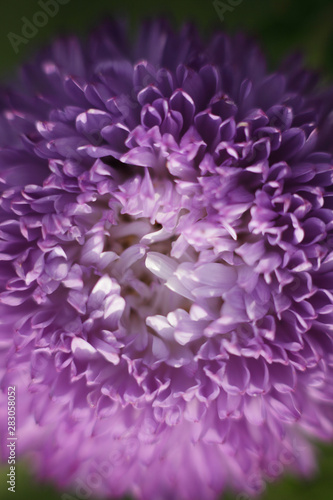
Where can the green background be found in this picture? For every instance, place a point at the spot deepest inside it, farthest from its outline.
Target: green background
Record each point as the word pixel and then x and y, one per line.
pixel 280 26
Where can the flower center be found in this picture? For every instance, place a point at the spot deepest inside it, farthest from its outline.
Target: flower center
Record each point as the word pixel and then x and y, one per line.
pixel 141 268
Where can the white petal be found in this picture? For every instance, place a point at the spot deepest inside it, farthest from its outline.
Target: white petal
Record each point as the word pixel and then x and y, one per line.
pixel 92 249
pixel 156 236
pixel 216 275
pixel 177 286
pixel 82 349
pixel 161 326
pixel 130 256
pixel 159 349
pixel 103 285
pixel 114 307
pixel 162 266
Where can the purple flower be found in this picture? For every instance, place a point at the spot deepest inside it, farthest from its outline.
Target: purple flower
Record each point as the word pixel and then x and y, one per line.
pixel 166 237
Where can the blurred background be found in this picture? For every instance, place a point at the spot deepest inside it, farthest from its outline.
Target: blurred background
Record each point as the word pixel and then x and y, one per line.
pixel 280 26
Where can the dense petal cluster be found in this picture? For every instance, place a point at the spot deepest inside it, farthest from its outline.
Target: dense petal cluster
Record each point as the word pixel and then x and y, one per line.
pixel 166 239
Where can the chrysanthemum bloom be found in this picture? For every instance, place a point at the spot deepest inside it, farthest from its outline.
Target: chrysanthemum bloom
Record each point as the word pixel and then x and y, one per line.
pixel 167 264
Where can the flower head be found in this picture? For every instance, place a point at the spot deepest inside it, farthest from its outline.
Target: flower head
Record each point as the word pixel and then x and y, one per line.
pixel 166 300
